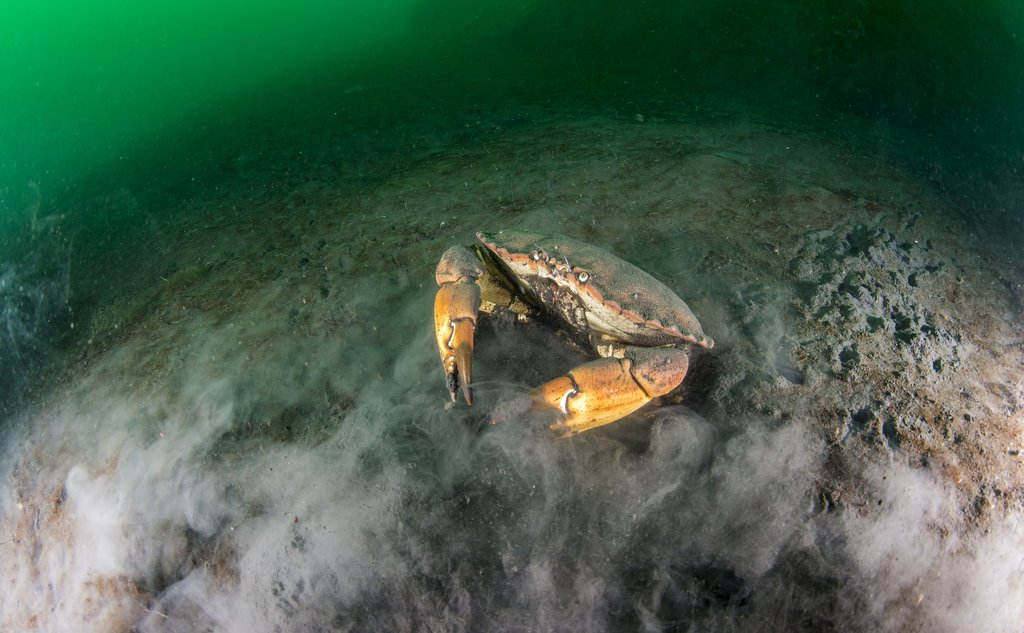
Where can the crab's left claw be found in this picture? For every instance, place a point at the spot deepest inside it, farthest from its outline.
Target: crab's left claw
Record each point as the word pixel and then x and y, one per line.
pixel 455 311
pixel 604 390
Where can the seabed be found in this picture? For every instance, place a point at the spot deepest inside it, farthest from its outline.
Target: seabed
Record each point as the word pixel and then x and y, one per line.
pixel 251 433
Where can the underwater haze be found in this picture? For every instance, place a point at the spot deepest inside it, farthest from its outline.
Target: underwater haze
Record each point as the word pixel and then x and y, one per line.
pixel 86 88
pixel 221 406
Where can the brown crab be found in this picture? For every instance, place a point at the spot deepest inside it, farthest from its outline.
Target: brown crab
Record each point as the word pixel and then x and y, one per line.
pixel 639 328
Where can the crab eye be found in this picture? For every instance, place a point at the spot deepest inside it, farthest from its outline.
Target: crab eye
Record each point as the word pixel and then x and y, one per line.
pixel 536 256
pixel 583 276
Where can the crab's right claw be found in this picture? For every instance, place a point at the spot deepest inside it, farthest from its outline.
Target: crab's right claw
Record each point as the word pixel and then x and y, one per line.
pixel 455 310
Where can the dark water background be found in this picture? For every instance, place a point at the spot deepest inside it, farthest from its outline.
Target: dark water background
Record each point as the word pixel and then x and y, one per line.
pixel 88 88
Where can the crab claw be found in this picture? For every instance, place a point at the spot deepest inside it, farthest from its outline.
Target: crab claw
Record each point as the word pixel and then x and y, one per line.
pixel 606 390
pixel 455 311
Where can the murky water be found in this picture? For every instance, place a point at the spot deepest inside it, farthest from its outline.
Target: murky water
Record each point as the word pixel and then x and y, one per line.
pixel 221 404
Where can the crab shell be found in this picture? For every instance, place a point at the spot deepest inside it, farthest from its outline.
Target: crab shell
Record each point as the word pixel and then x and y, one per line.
pixel 620 301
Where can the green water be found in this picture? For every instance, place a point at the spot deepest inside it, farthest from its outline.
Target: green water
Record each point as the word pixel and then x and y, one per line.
pixel 107 106
pixel 83 83
pixel 88 85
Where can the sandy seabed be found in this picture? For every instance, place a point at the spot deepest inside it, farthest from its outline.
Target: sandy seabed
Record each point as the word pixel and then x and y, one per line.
pixel 257 438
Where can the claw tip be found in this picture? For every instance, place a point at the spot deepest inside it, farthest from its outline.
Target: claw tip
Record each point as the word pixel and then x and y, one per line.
pixel 464 363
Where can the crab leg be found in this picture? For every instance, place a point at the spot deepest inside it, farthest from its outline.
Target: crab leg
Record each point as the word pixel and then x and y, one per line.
pixel 606 390
pixel 455 311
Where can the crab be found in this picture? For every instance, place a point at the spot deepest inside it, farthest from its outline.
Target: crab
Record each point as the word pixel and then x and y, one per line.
pixel 640 331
